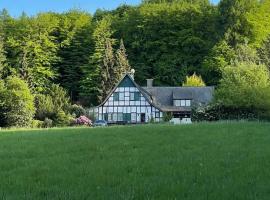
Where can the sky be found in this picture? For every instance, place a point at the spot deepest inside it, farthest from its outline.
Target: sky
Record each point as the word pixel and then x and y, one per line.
pixel 32 7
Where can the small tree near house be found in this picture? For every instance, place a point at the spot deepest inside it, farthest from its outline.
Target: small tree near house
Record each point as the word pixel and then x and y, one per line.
pixel 194 81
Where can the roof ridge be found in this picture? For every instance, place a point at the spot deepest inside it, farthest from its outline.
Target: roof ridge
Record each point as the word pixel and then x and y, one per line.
pixel 178 87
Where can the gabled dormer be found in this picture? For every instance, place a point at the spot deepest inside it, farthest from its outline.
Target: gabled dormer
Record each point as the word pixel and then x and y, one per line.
pixel 182 99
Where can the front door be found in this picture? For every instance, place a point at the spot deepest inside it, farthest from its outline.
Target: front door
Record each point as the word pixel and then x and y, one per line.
pixel 143 118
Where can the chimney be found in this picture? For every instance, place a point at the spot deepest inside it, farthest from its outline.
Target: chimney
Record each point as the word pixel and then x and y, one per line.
pixel 150 82
pixel 132 73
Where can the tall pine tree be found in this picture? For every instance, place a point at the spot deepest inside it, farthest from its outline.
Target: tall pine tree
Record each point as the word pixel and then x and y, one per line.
pixel 2 58
pixel 123 65
pixel 94 85
pixel 108 75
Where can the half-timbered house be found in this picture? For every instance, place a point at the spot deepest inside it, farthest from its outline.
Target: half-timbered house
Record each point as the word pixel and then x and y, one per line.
pixel 130 103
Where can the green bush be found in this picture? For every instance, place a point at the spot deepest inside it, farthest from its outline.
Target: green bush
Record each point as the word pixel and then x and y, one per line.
pixel 16 103
pixel 152 120
pixel 37 124
pixel 48 123
pixel 244 92
pixel 167 116
pixel 44 106
pixel 54 107
pixel 77 110
pixel 217 112
pixel 59 97
pixel 62 119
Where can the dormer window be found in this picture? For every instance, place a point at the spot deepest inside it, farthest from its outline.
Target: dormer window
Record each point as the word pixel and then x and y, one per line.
pixel 182 102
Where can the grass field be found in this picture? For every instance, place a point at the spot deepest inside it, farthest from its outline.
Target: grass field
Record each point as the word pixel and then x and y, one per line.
pixel 201 161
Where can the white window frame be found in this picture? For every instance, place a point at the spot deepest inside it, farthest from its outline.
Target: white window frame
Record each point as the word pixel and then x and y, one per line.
pixel 188 103
pixel 120 117
pixel 114 117
pixel 177 103
pixel 182 102
pixel 121 96
pixel 133 117
pixel 109 117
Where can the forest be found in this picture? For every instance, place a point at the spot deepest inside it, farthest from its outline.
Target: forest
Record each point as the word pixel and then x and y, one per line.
pixel 54 64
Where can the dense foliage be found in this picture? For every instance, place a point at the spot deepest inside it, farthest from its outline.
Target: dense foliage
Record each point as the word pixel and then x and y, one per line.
pixel 76 57
pixel 194 80
pixel 16 103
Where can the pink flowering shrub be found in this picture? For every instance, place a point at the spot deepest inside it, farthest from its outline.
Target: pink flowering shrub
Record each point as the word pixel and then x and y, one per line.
pixel 83 120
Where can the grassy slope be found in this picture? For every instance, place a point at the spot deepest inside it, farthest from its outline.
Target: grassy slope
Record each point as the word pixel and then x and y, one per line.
pixel 202 161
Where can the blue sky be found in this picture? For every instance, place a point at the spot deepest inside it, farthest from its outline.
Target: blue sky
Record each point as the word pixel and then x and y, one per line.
pixel 31 7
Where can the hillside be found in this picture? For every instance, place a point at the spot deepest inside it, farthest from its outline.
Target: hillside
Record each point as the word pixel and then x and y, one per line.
pixel 199 161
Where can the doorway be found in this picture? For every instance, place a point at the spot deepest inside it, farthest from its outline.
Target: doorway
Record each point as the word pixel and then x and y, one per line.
pixel 143 118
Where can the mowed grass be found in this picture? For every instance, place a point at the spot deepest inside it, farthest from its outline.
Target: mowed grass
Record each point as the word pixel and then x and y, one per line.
pixel 200 161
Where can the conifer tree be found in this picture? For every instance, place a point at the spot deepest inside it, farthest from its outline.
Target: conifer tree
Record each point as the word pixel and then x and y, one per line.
pixel 123 65
pixel 109 72
pixel 94 84
pixel 2 58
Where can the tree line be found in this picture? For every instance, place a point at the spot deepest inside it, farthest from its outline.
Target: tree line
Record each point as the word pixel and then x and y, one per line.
pixel 167 40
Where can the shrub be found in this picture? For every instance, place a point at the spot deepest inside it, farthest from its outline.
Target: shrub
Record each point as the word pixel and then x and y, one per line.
pixel 167 116
pixel 77 110
pixel 83 120
pixel 152 120
pixel 244 91
pixel 194 81
pixel 44 106
pixel 217 112
pixel 62 119
pixel 48 123
pixel 60 98
pixel 55 105
pixel 16 103
pixel 37 124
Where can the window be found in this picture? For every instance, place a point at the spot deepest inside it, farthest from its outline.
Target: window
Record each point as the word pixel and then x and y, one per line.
pixel 133 117
pixel 109 117
pixel 114 117
pixel 121 96
pixel 132 97
pixel 177 103
pixel 120 117
pixel 105 116
pixel 135 96
pixel 127 117
pixel 182 102
pixel 157 115
pixel 116 96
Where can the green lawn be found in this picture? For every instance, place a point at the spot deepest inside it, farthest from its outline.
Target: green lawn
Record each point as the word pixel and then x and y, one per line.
pixel 201 161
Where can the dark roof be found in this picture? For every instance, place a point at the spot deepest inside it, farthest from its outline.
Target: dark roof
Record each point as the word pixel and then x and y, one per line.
pixel 163 96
